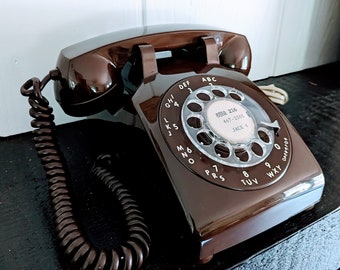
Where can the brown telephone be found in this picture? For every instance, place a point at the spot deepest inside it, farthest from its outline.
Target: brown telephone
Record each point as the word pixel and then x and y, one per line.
pixel 236 164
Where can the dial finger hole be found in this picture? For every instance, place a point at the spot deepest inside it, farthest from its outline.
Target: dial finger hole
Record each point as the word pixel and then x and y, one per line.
pixel 222 150
pixel 242 154
pixel 263 136
pixel 235 96
pixel 218 92
pixel 194 122
pixel 203 96
pixel 257 149
pixel 204 138
pixel 194 107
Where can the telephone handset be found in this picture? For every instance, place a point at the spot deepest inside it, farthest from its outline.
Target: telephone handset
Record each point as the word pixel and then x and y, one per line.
pixel 236 164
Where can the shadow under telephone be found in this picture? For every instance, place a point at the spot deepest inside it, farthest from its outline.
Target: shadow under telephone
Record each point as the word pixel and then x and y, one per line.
pixel 236 165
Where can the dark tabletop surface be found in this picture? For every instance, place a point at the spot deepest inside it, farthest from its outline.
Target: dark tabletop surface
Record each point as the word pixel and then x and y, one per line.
pixel 27 237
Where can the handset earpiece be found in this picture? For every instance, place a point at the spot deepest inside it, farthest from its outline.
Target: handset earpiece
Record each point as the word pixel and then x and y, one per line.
pixel 91 84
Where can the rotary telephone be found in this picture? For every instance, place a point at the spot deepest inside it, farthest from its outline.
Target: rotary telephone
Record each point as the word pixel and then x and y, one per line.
pixel 236 165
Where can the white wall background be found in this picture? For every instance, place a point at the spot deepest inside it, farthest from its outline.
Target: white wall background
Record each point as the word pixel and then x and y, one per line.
pixel 285 36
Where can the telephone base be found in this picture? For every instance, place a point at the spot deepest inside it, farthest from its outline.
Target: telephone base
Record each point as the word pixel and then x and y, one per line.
pixel 226 201
pixel 205 260
pixel 289 207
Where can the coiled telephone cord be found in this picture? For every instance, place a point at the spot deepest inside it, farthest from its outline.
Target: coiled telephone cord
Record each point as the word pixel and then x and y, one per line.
pixel 84 255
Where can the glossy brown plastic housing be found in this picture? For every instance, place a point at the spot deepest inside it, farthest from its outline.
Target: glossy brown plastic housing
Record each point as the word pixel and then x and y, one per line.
pixel 220 214
pixel 91 70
